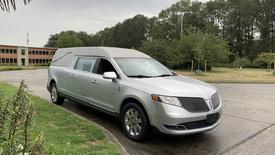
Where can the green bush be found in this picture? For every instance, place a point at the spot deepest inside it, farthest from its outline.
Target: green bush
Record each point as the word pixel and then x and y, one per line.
pixel 16 121
pixel 226 65
pixel 242 62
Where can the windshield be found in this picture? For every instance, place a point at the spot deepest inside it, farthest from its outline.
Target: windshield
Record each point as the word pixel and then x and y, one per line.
pixel 142 67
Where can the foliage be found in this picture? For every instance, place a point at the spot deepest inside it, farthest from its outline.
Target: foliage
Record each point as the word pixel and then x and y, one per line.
pixel 7 5
pixel 209 31
pixel 16 123
pixel 268 59
pixel 52 41
pixel 241 62
pixel 68 39
pixel 160 50
pixel 65 132
pixel 128 34
pixel 192 46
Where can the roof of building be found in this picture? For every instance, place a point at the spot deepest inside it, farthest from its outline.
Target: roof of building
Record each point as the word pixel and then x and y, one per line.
pixel 38 48
pixel 111 52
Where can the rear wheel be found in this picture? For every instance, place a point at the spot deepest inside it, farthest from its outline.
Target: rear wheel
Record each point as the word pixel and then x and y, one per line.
pixel 134 122
pixel 56 98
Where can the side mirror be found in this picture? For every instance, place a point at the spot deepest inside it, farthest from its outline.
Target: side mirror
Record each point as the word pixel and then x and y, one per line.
pixel 109 75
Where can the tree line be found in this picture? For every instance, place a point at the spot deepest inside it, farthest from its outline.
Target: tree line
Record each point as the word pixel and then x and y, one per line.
pixel 191 33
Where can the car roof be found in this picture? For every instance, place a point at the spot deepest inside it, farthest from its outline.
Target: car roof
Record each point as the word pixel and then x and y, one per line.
pixel 64 56
pixel 110 52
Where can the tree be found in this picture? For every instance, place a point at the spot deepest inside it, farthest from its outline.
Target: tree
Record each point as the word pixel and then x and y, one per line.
pixel 67 39
pixel 129 34
pixel 85 38
pixel 52 41
pixel 202 48
pixel 160 50
pixel 267 58
pixel 7 5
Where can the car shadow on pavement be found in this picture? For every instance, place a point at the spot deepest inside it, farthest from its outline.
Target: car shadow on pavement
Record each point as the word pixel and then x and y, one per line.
pixel 203 143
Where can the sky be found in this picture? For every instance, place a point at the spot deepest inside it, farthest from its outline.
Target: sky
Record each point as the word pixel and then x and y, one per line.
pixel 44 17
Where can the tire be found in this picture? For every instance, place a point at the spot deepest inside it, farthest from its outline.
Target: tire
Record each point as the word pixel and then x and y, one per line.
pixel 134 122
pixel 55 97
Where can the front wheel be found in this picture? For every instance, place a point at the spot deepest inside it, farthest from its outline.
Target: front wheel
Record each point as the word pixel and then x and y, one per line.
pixel 56 98
pixel 134 122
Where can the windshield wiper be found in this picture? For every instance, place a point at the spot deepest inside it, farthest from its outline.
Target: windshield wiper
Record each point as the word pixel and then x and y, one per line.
pixel 139 76
pixel 163 75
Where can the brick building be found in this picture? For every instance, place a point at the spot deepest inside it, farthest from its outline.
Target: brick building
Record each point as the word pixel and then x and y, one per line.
pixel 24 56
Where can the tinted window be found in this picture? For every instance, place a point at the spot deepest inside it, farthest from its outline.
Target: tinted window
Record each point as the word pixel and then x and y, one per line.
pixel 105 66
pixel 85 64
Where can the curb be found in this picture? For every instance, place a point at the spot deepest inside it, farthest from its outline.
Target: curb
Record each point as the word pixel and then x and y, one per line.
pixel 108 134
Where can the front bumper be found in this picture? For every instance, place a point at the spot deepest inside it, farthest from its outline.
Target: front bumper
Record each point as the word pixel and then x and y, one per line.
pixel 175 120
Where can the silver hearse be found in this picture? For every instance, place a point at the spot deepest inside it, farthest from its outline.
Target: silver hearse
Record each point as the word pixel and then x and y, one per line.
pixel 140 91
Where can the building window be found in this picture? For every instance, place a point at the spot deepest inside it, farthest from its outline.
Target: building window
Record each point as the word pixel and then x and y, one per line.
pixel 14 51
pixel 7 60
pixel 11 61
pixel 3 50
pixel 22 51
pixel 3 60
pixel 15 60
pixel 30 52
pixel 47 52
pixel 36 61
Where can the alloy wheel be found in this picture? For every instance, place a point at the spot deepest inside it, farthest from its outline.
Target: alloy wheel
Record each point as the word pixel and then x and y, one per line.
pixel 54 94
pixel 133 122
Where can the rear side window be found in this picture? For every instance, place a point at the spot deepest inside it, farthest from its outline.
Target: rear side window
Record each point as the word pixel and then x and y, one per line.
pixel 85 64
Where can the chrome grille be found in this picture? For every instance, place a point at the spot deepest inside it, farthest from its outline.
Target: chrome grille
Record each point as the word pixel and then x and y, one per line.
pixel 194 104
pixel 215 99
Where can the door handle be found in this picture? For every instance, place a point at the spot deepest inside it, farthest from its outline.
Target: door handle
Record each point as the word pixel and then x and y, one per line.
pixel 94 82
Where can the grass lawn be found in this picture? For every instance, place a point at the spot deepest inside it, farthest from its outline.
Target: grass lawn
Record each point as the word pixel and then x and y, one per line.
pixel 64 132
pixel 232 75
pixel 10 68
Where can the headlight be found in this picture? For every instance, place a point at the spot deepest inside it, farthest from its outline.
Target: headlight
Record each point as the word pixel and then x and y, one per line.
pixel 167 100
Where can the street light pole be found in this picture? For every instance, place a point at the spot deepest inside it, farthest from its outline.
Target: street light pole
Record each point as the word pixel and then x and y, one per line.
pixel 181 21
pixel 181 25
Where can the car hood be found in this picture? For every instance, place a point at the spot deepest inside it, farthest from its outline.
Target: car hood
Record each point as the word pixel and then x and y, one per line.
pixel 179 86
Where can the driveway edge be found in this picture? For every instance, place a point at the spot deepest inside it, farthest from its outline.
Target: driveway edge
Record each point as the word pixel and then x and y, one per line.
pixel 108 134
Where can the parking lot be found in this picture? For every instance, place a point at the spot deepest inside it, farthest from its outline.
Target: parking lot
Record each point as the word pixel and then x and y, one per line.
pixel 247 126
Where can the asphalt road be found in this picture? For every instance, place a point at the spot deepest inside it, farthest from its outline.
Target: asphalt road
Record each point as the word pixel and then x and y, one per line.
pixel 247 126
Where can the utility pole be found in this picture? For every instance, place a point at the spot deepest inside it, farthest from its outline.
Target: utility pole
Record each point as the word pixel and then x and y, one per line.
pixel 28 40
pixel 181 14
